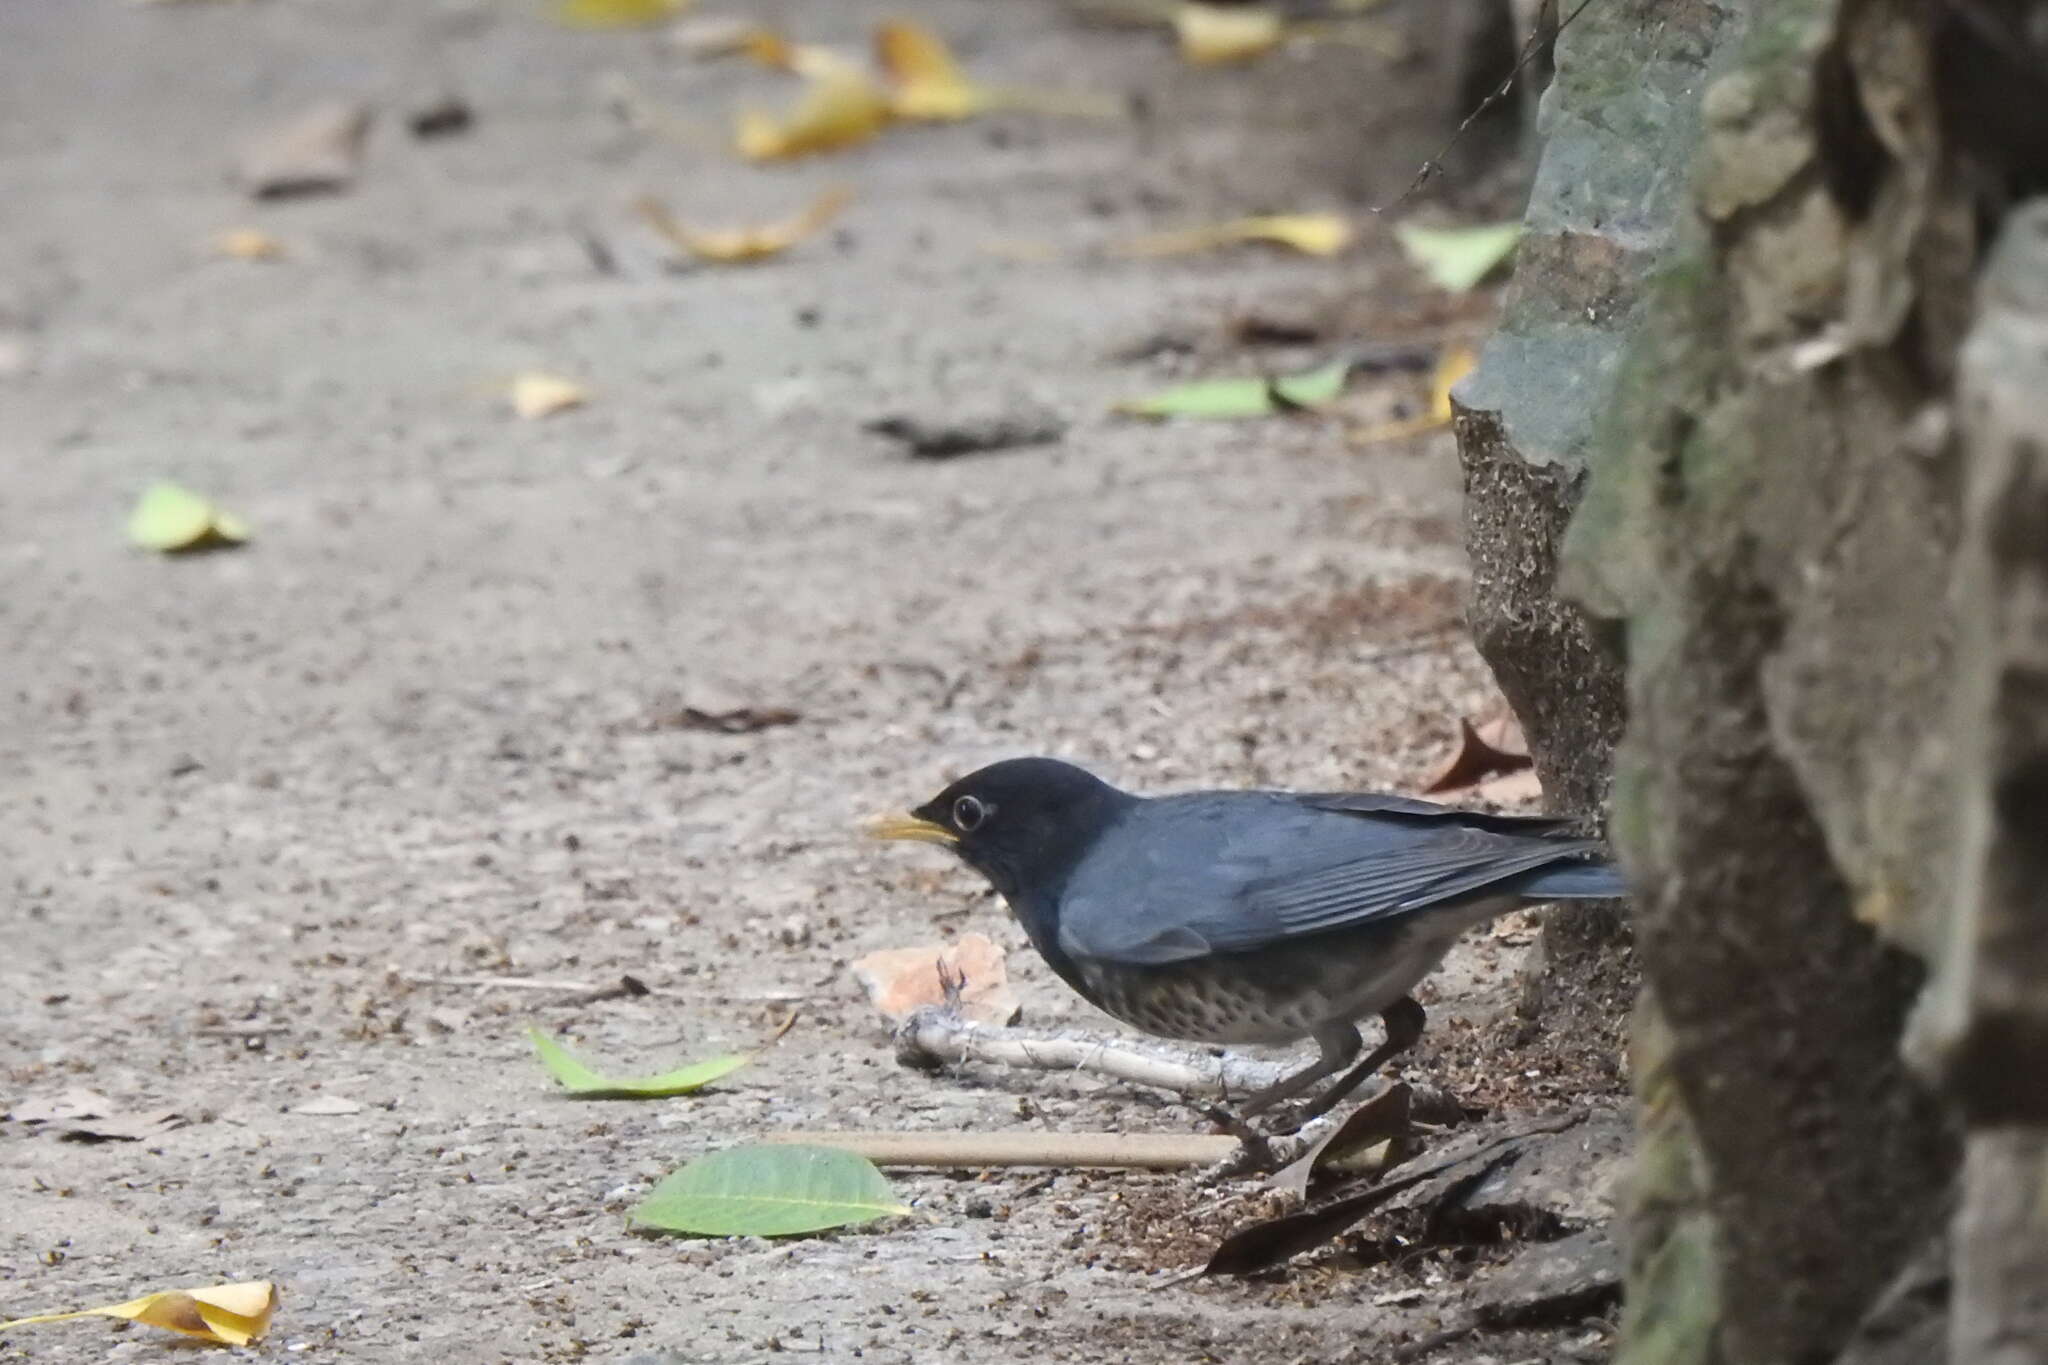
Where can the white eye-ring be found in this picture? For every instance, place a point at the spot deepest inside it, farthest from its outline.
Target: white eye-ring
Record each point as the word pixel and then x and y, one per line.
pixel 969 812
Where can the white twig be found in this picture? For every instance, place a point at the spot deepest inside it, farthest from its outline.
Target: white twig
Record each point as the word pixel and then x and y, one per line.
pixel 933 1037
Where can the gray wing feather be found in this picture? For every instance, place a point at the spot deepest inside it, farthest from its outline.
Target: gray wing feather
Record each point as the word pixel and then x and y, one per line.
pixel 1300 873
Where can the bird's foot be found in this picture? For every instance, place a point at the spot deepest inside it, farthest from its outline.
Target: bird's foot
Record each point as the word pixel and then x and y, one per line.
pixel 1254 1154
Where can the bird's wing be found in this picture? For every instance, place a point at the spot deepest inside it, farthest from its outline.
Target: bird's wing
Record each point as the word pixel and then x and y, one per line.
pixel 1277 874
pixel 1414 808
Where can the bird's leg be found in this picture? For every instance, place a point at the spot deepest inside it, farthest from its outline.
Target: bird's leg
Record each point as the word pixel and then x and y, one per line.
pixel 1404 1020
pixel 1339 1045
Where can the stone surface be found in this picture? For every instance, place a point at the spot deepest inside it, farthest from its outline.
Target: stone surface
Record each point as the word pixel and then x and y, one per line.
pixel 1619 120
pixel 1770 521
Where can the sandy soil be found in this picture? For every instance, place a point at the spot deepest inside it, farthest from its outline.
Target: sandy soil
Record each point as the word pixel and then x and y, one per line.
pixel 422 726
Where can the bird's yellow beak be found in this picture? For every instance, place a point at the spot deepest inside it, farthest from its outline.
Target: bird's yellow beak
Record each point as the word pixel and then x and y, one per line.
pixel 913 827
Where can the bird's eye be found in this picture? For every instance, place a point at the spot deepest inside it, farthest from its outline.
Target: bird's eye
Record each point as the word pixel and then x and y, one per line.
pixel 968 813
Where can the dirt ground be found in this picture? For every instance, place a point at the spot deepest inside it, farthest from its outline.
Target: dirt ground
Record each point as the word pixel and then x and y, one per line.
pixel 423 726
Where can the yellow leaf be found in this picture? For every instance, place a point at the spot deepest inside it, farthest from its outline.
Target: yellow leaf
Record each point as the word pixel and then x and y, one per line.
pixel 226 1314
pixel 770 48
pixel 1454 364
pixel 1317 234
pixel 617 13
pixel 837 110
pixel 1211 35
pixel 929 84
pixel 542 395
pixel 169 519
pixel 249 244
pixel 733 245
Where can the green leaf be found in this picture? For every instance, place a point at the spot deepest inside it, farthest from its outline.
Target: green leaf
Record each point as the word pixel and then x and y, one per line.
pixel 616 13
pixel 585 1084
pixel 1458 258
pixel 168 518
pixel 1256 396
pixel 769 1191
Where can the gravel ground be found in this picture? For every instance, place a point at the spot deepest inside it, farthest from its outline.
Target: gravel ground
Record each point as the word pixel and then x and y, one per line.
pixel 426 724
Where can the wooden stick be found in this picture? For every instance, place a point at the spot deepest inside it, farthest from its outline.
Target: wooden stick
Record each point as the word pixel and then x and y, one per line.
pixel 1120 1151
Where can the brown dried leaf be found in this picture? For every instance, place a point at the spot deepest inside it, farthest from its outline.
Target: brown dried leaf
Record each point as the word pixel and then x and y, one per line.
pixel 739 720
pixel 1382 1119
pixel 1474 761
pixel 901 980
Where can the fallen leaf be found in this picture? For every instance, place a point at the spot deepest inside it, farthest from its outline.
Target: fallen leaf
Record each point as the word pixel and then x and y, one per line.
pixel 1211 35
pixel 768 1190
pixel 249 244
pixel 1458 258
pixel 317 152
pixel 172 520
pixel 584 1084
pixel 119 1127
pixel 774 49
pixel 714 35
pixel 929 83
pixel 970 433
pixel 1271 329
pixel 81 1115
pixel 839 108
pixel 1382 1119
pixel 737 720
pixel 736 245
pixel 327 1106
pixel 1316 234
pixel 1271 1241
pixel 75 1103
pixel 617 13
pixel 1256 396
pixel 900 981
pixel 226 1314
pixel 1474 761
pixel 536 395
pixel 441 115
pixel 1452 365
pixel 1503 731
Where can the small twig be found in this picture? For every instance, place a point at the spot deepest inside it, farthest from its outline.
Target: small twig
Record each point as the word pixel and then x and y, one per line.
pixel 1118 1151
pixel 1434 1342
pixel 627 987
pixel 582 991
pixel 240 1030
pixel 1529 50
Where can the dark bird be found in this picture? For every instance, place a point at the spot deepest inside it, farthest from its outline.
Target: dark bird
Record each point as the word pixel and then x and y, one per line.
pixel 1250 916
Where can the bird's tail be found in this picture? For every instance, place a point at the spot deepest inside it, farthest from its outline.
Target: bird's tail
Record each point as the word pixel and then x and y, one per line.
pixel 1574 882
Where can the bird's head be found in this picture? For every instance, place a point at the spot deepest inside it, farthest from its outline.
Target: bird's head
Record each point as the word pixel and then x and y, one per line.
pixel 1023 823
